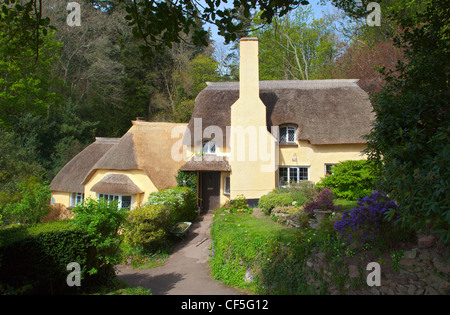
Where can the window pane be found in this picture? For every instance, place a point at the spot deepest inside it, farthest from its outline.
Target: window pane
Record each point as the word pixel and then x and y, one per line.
pixel 283 176
pixel 209 147
pixel 291 134
pixel 283 131
pixel 126 202
pixel 205 147
pixel 227 185
pixel 328 169
pixel 303 173
pixel 79 198
pixel 293 175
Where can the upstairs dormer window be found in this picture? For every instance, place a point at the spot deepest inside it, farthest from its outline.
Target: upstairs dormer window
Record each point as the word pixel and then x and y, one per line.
pixel 209 147
pixel 288 134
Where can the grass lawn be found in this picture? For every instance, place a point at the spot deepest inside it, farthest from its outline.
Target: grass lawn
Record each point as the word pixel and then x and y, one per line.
pixel 251 225
pixel 346 204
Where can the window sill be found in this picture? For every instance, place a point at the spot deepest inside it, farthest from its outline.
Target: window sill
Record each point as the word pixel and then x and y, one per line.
pixel 288 144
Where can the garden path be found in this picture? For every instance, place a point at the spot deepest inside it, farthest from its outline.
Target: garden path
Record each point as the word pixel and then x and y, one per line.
pixel 186 271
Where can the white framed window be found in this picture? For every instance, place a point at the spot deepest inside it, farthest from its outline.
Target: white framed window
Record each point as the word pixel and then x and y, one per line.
pixel 124 200
pixel 226 188
pixel 209 147
pixel 76 199
pixel 328 170
pixel 288 134
pixel 292 174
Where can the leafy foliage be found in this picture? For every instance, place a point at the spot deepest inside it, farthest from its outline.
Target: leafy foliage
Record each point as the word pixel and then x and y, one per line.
pixel 187 179
pixel 295 47
pixel 350 179
pixel 297 194
pixel 100 220
pixel 411 132
pixel 33 203
pixel 148 227
pixel 268 202
pixel 182 200
pixel 35 258
pixel 25 84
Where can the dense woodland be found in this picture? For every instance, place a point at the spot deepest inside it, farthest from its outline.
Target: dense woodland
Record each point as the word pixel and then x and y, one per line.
pixel 61 86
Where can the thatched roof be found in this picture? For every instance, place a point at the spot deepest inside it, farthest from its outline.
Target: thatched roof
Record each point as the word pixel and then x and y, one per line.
pixel 70 177
pixel 116 184
pixel 325 111
pixel 207 163
pixel 146 146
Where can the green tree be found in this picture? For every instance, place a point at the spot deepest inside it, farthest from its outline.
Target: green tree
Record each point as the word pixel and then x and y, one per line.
pixel 158 23
pixel 26 83
pixel 33 204
pixel 295 47
pixel 17 164
pixel 410 135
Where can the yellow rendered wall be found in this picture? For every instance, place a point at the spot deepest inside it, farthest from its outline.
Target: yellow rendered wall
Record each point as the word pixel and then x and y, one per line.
pixel 137 176
pixel 316 156
pixel 61 197
pixel 223 197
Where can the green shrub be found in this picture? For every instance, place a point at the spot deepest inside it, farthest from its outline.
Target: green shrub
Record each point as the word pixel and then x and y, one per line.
pixel 35 258
pixel 182 200
pixel 147 228
pixel 187 179
pixel 268 202
pixel 101 220
pixel 33 204
pixel 350 179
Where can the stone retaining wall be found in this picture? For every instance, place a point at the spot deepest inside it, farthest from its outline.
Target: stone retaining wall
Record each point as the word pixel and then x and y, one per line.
pixel 420 271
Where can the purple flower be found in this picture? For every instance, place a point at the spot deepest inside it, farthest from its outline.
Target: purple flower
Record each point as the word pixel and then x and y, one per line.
pixel 365 220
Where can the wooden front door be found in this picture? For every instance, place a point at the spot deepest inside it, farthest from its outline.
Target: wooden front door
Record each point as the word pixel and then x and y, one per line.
pixel 210 184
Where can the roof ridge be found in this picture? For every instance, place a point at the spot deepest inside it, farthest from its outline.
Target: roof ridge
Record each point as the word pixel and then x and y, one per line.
pixel 288 84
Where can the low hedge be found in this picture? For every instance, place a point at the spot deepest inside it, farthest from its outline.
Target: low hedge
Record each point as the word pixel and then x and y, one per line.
pixel 34 259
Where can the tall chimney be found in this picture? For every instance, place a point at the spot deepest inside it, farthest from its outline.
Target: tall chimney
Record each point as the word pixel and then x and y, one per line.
pixel 249 68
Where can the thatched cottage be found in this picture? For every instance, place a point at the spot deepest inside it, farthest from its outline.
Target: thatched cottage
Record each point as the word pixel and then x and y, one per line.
pixel 126 169
pixel 244 138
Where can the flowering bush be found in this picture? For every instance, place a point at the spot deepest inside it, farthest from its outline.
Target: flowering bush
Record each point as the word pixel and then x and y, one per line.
pixel 239 204
pixel 367 222
pixel 322 201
